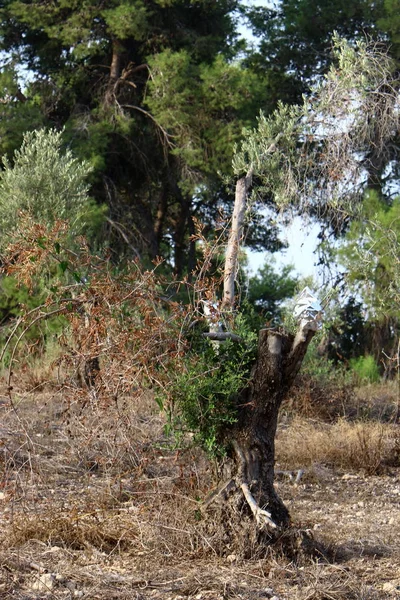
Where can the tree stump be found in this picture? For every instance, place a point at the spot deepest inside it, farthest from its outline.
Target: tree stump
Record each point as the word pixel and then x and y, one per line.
pixel 246 495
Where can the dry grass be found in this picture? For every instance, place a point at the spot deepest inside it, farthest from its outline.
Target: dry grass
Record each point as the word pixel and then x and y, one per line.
pixel 361 446
pixel 329 402
pixel 105 508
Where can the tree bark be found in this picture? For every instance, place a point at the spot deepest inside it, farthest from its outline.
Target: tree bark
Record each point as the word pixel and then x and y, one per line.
pixel 232 249
pixel 115 67
pixel 115 71
pixel 249 492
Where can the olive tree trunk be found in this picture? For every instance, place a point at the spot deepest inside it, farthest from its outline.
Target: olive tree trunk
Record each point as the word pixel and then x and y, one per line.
pixel 248 492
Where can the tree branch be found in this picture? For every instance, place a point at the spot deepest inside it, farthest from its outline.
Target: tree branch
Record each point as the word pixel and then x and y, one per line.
pixel 221 336
pixel 262 517
pixel 232 249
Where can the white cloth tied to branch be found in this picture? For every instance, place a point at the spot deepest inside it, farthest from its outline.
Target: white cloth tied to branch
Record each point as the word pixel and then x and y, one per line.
pixel 308 311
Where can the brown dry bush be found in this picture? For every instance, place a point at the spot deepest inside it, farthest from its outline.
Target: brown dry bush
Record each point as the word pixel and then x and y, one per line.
pixel 378 401
pixel 361 446
pixel 325 400
pixel 337 398
pixel 141 519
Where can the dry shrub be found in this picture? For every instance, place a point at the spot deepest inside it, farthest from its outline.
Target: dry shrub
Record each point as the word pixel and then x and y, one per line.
pixel 73 530
pixel 156 522
pixel 332 400
pixel 378 401
pixel 362 446
pixel 319 400
pixel 83 478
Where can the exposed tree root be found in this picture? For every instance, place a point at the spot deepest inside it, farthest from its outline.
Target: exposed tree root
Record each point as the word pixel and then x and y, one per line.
pixel 262 517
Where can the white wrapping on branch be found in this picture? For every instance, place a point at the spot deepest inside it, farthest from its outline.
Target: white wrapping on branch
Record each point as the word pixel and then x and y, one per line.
pixel 212 314
pixel 308 311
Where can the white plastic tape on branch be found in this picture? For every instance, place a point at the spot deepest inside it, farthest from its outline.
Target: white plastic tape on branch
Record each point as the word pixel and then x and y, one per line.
pixel 308 311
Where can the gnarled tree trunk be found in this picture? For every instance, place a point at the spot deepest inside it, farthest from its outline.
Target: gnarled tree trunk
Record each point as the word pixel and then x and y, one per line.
pixel 248 494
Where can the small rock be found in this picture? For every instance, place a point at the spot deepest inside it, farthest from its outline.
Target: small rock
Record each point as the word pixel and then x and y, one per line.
pixel 44 582
pixel 231 558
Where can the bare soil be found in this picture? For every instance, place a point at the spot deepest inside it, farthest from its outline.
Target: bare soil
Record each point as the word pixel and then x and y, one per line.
pixel 95 503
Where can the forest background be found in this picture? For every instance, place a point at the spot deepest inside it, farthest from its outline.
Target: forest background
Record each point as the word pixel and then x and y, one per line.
pixel 154 97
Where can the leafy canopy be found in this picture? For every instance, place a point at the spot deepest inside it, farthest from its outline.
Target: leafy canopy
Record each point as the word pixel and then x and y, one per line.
pixel 48 184
pixel 370 254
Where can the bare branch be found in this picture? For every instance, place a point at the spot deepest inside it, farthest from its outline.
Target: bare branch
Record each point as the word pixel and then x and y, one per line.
pixel 262 517
pixel 165 135
pixel 232 249
pixel 222 336
pixel 122 233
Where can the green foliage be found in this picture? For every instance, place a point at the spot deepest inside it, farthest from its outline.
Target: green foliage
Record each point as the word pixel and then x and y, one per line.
pixel 92 69
pixel 267 290
pixel 204 106
pixel 295 36
pixel 370 255
pixel 43 184
pixel 320 368
pixel 17 112
pixel 203 394
pixel 269 149
pixel 14 297
pixel 348 332
pixel 314 156
pixel 390 24
pixel 83 27
pixel 17 300
pixel 365 369
pixel 47 184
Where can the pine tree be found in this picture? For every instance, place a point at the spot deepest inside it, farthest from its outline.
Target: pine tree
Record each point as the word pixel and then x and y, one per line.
pixel 147 93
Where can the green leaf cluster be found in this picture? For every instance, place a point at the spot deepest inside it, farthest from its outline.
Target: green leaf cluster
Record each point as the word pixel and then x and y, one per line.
pixel 268 289
pixel 365 369
pixel 17 300
pixel 370 254
pixel 203 106
pixel 203 395
pixel 48 184
pixel 17 113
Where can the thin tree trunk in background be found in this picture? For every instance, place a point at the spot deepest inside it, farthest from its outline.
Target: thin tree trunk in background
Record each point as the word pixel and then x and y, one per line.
pixel 115 68
pixel 160 216
pixel 232 249
pixel 192 248
pixel 115 72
